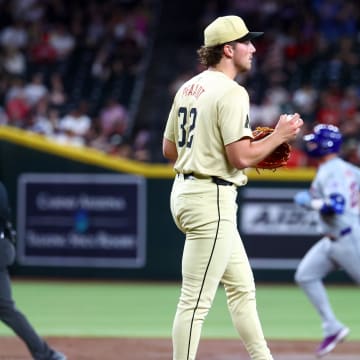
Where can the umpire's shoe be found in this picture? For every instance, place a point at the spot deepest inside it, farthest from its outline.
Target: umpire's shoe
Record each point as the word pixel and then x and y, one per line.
pixel 56 355
pixel 329 343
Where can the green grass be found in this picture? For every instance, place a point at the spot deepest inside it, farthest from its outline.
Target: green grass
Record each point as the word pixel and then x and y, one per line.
pixel 147 310
pixel 287 314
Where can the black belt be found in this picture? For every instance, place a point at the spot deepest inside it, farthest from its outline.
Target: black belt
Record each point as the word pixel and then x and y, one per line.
pixel 343 232
pixel 216 180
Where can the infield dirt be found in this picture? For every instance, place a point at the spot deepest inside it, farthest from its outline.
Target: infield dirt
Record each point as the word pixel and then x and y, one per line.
pixel 11 348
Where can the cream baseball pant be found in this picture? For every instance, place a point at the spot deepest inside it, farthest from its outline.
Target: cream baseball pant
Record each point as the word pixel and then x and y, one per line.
pixel 213 254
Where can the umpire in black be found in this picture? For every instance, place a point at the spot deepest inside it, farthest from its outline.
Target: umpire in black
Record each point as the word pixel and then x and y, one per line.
pixel 9 314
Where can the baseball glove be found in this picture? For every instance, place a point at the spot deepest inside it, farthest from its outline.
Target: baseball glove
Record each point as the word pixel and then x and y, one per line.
pixel 278 158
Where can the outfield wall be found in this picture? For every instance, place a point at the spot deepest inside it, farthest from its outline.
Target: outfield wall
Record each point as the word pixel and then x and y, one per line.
pixel 80 213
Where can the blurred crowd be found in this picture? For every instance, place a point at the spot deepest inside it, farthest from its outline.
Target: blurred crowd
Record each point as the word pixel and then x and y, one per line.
pixel 308 61
pixel 67 69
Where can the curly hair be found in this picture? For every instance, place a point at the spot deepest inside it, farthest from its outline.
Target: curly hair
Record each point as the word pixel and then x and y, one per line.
pixel 210 56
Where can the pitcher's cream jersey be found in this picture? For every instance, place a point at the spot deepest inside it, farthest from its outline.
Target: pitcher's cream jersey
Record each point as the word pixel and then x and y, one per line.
pixel 208 112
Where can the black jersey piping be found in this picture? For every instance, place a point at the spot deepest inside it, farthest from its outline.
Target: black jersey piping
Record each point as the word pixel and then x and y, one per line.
pixel 207 268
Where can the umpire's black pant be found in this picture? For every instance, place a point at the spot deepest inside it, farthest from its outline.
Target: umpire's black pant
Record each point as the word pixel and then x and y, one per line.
pixel 9 314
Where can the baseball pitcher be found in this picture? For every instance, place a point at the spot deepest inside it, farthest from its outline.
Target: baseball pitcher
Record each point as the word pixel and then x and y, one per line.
pixel 208 136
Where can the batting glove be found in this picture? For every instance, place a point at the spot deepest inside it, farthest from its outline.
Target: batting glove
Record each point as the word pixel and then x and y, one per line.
pixel 303 198
pixel 335 204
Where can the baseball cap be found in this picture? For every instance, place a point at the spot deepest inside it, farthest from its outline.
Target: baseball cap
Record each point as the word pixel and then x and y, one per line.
pixel 227 28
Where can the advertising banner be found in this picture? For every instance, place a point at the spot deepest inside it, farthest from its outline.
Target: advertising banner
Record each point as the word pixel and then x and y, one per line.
pixel 276 232
pixel 92 220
